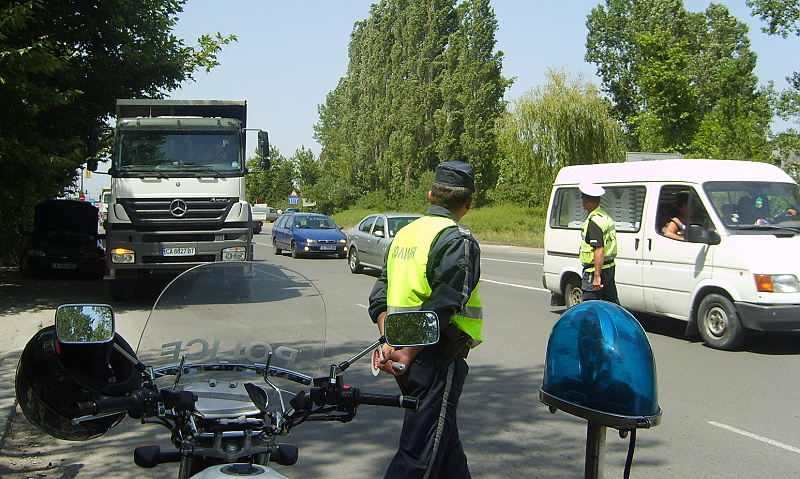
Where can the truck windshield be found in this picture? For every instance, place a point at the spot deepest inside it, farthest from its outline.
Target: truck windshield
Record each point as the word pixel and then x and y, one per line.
pixel 184 154
pixel 756 206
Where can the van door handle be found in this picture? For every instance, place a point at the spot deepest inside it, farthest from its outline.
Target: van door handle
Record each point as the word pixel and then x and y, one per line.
pixel 649 244
pixel 636 244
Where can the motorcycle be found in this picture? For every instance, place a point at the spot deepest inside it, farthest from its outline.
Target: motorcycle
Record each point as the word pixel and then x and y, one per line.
pixel 230 360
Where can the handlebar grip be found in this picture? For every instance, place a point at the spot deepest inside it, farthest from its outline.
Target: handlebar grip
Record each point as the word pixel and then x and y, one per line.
pixel 397 400
pixel 109 405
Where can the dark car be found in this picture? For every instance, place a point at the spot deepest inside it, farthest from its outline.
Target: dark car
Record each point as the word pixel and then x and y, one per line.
pixel 64 239
pixel 369 240
pixel 308 234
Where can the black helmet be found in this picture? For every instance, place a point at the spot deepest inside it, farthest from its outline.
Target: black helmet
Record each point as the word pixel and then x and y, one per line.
pixel 53 377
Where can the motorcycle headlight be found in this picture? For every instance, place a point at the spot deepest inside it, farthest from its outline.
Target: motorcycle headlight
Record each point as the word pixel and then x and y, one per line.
pixel 777 283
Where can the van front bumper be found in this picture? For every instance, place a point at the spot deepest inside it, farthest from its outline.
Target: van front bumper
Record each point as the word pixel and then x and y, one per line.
pixel 773 317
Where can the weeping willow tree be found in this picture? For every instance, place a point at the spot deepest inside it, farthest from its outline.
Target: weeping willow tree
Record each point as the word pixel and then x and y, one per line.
pixel 565 122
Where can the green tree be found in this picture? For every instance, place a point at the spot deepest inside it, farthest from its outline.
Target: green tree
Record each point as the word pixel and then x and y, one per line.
pixel 783 18
pixel 274 185
pixel 423 85
pixel 565 122
pixel 62 65
pixel 680 81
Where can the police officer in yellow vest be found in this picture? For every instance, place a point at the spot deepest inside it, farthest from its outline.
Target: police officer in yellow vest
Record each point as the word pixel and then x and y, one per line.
pixel 433 264
pixel 598 247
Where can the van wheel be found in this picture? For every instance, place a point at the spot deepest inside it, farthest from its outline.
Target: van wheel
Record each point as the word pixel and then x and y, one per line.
pixel 573 294
pixel 275 249
pixel 295 252
pixel 719 323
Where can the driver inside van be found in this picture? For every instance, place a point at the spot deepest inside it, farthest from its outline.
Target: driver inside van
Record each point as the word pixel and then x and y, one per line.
pixel 677 224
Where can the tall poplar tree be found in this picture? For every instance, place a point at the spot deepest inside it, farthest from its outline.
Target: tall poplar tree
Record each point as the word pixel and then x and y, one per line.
pixel 423 85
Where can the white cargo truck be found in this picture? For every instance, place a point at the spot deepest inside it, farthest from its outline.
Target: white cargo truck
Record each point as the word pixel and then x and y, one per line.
pixel 177 189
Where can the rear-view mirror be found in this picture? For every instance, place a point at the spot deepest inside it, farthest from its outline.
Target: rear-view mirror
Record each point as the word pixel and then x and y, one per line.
pixel 411 328
pixel 84 323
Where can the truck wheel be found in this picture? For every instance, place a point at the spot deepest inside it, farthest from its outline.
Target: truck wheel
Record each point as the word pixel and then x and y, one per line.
pixel 122 289
pixel 275 249
pixel 719 323
pixel 573 294
pixel 355 264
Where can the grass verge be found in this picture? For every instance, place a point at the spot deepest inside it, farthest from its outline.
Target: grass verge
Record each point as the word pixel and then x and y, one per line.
pixel 504 224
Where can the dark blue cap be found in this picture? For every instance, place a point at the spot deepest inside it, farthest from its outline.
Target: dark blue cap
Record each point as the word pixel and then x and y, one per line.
pixel 455 173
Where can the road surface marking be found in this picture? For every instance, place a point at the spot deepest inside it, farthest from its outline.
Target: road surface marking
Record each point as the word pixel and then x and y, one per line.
pixel 515 285
pixel 510 261
pixel 756 437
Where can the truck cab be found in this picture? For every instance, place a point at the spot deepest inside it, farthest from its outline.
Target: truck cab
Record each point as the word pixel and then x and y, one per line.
pixel 177 189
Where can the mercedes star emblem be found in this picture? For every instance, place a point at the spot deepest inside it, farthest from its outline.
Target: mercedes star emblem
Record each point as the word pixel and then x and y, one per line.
pixel 178 208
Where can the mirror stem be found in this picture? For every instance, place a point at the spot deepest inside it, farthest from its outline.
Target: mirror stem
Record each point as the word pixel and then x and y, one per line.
pixel 346 364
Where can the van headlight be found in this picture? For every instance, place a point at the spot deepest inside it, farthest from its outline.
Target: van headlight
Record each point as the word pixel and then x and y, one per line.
pixel 777 283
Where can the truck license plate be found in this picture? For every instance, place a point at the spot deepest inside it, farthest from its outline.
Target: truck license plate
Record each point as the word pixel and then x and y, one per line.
pixel 178 251
pixel 327 248
pixel 63 266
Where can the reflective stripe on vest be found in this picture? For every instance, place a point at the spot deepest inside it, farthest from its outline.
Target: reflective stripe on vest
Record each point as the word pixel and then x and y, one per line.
pixel 407 284
pixel 606 224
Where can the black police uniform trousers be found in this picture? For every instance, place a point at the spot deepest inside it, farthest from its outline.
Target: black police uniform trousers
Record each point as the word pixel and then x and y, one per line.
pixel 609 290
pixel 429 442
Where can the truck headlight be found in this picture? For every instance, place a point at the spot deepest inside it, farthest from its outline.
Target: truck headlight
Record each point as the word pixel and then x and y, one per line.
pixel 777 283
pixel 123 255
pixel 235 253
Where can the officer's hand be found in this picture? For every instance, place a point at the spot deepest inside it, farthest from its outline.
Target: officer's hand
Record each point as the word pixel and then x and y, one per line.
pixel 403 356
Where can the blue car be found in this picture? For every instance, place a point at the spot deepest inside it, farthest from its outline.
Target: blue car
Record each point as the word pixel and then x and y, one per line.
pixel 306 234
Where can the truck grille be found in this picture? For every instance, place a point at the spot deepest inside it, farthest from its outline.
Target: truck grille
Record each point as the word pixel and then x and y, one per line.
pixel 153 211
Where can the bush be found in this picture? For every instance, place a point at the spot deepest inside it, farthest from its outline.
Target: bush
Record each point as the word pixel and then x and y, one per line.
pixel 505 224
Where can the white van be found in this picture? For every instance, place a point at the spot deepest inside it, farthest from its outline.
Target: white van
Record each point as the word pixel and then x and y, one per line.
pixel 730 274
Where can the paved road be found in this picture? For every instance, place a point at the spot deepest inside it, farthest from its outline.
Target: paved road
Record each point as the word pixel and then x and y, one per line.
pixel 726 414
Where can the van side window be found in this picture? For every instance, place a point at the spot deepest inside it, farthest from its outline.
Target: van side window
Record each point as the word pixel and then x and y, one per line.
pixel 623 203
pixel 678 206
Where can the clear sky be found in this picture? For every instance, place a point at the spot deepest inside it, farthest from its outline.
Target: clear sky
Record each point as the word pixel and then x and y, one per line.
pixel 291 53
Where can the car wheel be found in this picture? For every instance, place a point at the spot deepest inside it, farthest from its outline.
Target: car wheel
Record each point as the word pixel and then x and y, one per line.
pixel 355 264
pixel 719 323
pixel 295 253
pixel 573 294
pixel 275 249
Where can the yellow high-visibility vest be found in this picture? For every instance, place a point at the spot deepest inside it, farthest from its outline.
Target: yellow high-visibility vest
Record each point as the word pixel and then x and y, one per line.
pixel 407 265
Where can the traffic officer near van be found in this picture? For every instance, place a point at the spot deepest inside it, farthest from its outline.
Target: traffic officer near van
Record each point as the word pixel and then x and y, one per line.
pixel 433 264
pixel 598 247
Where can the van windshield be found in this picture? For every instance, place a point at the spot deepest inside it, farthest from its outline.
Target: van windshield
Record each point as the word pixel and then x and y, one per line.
pixel 755 206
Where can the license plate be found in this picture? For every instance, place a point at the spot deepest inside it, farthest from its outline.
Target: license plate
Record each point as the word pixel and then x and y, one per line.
pixel 63 266
pixel 178 251
pixel 327 248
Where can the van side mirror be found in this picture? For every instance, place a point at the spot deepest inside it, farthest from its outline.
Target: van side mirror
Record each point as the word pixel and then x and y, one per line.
pixel 695 233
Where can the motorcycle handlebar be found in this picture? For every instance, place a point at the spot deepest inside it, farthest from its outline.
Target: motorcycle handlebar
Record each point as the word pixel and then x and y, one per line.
pixel 396 400
pixel 110 405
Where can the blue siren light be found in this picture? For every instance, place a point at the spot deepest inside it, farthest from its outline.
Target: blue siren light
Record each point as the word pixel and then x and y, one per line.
pixel 600 367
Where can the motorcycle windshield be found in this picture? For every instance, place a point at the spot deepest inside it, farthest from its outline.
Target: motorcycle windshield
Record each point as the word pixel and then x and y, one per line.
pixel 226 321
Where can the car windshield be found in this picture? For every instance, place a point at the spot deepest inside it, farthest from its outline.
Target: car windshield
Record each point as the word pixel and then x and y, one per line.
pixel 314 222
pixel 747 206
